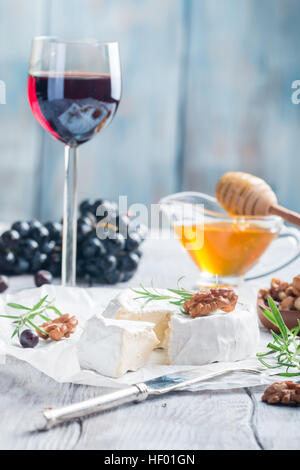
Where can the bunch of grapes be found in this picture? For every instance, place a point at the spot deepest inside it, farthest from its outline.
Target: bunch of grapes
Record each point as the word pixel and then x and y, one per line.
pixel 112 257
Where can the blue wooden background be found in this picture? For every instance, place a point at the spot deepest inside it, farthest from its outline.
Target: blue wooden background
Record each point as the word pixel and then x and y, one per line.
pixel 207 89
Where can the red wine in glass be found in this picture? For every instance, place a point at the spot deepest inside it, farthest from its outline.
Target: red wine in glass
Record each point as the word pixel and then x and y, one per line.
pixel 74 89
pixel 73 107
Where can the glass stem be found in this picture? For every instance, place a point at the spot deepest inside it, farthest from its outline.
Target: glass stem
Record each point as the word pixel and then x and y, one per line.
pixel 68 274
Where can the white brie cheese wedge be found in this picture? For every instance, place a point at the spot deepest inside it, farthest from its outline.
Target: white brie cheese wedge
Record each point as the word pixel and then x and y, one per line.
pixel 217 337
pixel 127 307
pixel 114 347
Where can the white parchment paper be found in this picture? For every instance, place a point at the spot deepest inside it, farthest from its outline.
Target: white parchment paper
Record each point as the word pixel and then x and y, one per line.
pixel 59 360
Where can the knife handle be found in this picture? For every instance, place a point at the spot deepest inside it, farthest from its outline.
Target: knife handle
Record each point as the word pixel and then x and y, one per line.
pixel 51 418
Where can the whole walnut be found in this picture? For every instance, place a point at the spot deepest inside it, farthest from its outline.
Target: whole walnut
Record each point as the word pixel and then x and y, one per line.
pixel 287 303
pixel 209 300
pixel 296 283
pixel 277 286
pixel 282 392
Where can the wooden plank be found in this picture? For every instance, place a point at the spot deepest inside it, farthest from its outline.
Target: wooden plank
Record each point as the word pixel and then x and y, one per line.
pixel 188 421
pixel 218 420
pixel 24 392
pixel 19 133
pixel 239 115
pixel 136 155
pixel 275 427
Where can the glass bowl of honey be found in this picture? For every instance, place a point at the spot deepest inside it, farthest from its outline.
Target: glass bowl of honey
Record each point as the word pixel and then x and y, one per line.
pixel 222 245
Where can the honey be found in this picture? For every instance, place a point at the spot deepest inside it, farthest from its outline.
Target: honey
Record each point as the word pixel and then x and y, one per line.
pixel 226 248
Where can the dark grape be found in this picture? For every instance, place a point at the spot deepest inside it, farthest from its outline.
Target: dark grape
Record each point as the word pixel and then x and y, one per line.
pixel 7 261
pixel 40 234
pixel 55 230
pixel 55 258
pixel 138 252
pixel 92 248
pixel 22 228
pixel 129 262
pixel 115 245
pixel 48 247
pixel 54 269
pixel 29 339
pixel 83 230
pixel 87 205
pixel 28 248
pixel 34 224
pixel 85 220
pixel 37 262
pixel 93 269
pixel 128 275
pixel 43 277
pixel 3 284
pixel 113 277
pixel 133 241
pixel 80 268
pixel 21 266
pixel 10 238
pixel 54 265
pixel 108 263
pixel 58 245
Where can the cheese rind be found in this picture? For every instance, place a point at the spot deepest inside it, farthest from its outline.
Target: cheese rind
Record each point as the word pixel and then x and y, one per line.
pixel 128 307
pixel 217 337
pixel 114 347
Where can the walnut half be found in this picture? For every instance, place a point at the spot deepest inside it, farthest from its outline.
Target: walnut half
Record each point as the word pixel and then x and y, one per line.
pixel 59 328
pixel 209 300
pixel 282 392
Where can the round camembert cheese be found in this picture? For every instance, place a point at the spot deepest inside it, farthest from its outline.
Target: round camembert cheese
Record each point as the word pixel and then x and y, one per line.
pixel 216 337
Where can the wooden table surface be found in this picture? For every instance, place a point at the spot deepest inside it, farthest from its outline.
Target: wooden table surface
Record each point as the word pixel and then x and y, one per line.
pixel 235 419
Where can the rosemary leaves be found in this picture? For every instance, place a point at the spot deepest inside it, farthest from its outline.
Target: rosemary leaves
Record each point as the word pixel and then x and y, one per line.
pixel 284 351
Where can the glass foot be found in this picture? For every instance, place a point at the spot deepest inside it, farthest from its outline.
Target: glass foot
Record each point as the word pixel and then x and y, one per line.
pixel 209 280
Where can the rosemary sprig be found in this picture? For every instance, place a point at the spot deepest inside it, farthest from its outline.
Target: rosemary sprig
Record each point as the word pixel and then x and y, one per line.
pixel 30 313
pixel 177 296
pixel 285 349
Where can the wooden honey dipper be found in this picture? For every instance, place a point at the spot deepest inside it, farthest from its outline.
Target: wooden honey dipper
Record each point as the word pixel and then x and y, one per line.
pixel 244 194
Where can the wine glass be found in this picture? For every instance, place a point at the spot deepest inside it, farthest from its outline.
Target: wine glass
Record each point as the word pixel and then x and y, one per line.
pixel 74 90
